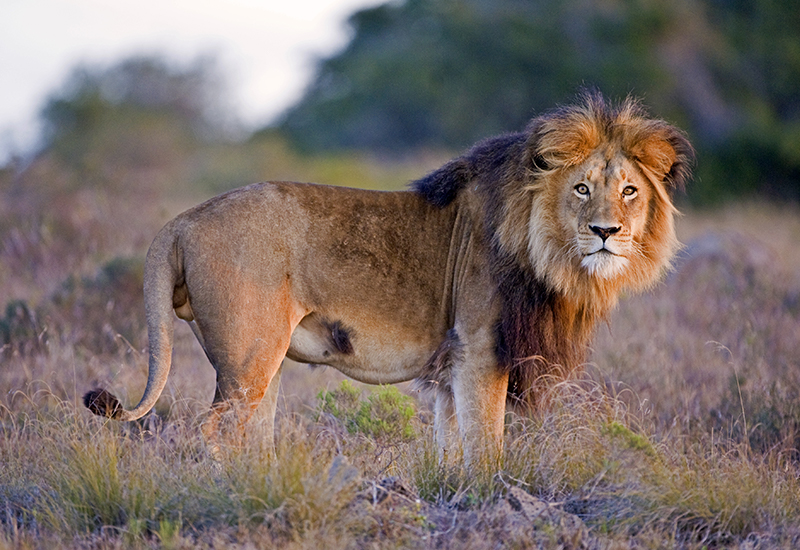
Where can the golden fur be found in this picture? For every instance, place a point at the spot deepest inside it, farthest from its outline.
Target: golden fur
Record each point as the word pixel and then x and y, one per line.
pixel 488 273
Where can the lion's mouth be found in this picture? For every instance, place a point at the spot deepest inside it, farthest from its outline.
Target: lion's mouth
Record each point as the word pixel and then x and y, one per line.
pixel 603 251
pixel 604 263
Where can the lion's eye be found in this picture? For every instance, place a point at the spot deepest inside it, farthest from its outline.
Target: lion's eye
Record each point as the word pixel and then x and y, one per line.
pixel 582 189
pixel 629 191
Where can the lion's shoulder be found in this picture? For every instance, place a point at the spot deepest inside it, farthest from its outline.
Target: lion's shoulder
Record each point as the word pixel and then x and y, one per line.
pixel 442 186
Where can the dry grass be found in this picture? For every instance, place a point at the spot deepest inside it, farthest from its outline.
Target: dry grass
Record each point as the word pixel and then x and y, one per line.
pixel 684 432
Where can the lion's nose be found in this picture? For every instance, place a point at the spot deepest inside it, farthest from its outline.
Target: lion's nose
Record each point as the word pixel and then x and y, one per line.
pixel 605 232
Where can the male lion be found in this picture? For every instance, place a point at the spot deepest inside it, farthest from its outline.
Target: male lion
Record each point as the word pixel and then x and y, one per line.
pixel 488 273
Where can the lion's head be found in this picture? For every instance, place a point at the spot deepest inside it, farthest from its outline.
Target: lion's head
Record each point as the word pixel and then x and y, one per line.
pixel 590 202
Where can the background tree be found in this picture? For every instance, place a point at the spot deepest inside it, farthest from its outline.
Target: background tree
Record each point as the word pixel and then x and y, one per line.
pixel 445 73
pixel 139 113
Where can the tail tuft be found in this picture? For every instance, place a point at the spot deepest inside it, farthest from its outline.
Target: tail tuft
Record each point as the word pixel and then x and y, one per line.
pixel 102 403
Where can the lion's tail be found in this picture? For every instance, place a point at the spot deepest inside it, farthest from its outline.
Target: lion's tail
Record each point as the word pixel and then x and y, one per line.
pixel 162 273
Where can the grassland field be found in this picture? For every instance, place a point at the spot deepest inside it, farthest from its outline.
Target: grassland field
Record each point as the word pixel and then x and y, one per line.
pixel 682 432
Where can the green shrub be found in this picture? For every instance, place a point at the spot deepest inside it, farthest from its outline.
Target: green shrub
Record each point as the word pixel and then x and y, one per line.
pixel 341 403
pixel 386 415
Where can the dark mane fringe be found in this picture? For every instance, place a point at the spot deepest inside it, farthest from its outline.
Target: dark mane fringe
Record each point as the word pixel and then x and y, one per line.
pixel 681 171
pixel 441 187
pixel 539 333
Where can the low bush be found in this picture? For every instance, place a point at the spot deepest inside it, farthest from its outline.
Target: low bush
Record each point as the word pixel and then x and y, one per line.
pixel 386 414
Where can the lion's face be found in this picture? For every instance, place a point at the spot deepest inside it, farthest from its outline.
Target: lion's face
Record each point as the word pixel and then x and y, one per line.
pixel 600 216
pixel 600 225
pixel 605 205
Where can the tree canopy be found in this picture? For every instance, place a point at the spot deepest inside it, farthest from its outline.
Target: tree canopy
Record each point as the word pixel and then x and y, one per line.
pixel 97 110
pixel 446 73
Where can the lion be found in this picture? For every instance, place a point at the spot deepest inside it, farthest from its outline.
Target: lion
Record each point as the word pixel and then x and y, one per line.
pixel 479 279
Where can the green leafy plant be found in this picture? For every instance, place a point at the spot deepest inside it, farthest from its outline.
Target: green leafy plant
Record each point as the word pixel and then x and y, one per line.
pixel 386 415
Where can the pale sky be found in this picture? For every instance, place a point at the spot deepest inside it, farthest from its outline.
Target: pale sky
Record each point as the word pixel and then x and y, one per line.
pixel 266 48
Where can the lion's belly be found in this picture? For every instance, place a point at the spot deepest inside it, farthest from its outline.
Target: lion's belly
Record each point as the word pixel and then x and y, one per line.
pixel 381 357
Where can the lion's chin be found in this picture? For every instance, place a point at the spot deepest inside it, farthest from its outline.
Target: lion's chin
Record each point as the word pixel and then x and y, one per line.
pixel 604 265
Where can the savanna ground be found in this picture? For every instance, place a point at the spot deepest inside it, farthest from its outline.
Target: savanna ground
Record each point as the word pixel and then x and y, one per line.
pixel 683 432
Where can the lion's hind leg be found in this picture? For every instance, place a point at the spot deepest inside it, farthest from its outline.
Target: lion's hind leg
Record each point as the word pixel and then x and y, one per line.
pixel 241 393
pixel 262 423
pixel 247 350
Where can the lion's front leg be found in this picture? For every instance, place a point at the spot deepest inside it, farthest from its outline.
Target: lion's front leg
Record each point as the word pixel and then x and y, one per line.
pixel 479 390
pixel 445 427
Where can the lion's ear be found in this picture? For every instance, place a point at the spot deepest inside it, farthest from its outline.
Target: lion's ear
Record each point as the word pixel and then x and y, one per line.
pixel 664 153
pixel 560 140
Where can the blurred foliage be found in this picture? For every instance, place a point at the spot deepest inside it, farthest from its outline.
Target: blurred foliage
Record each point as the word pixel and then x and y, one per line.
pixel 98 313
pixel 420 77
pixel 144 119
pixel 446 73
pixel 142 110
pixel 20 330
pixel 95 312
